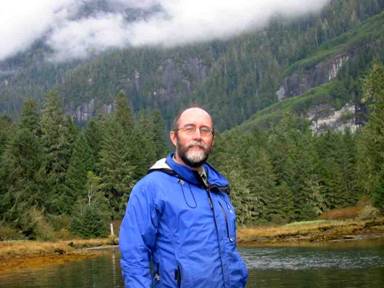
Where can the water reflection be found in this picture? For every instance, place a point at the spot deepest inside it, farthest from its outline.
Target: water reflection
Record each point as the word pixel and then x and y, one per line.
pixel 352 265
pixel 322 267
pixel 102 271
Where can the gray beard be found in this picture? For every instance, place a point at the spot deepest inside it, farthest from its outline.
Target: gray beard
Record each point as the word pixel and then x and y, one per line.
pixel 194 158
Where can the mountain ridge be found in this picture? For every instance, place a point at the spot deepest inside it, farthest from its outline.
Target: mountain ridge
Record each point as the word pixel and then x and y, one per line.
pixel 234 79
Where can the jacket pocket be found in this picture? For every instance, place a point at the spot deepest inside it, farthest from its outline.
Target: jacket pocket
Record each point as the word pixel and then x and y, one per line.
pixel 178 276
pixel 230 221
pixel 155 274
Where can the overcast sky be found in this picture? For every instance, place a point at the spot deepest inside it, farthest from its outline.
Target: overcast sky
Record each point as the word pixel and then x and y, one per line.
pixel 182 21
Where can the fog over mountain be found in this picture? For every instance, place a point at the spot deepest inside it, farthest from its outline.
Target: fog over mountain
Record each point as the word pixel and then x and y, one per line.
pixel 73 29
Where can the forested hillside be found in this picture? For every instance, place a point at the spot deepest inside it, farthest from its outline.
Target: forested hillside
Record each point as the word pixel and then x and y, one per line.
pixel 233 78
pixel 75 137
pixel 287 173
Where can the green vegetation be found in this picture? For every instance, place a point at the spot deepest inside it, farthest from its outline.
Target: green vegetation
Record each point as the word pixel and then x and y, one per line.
pixel 287 173
pixel 55 177
pixel 59 180
pixel 233 79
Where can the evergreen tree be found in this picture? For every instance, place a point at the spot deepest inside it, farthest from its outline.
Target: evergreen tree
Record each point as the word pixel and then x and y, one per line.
pixel 115 166
pixel 123 112
pixel 80 164
pixel 91 213
pixel 93 135
pixel 5 129
pixel 23 172
pixel 149 141
pixel 262 182
pixel 118 156
pixel 30 117
pixel 57 136
pixel 295 161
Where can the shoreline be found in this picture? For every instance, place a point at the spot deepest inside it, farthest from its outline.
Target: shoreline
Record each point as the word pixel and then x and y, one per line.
pixel 20 254
pixel 29 254
pixel 312 233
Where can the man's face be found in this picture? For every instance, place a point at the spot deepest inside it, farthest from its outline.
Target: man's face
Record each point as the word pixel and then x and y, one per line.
pixel 193 138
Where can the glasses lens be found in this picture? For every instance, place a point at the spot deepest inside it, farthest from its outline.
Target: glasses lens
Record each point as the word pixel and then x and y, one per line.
pixel 205 131
pixel 191 129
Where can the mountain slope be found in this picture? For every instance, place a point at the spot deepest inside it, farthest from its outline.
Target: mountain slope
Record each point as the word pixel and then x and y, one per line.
pixel 233 78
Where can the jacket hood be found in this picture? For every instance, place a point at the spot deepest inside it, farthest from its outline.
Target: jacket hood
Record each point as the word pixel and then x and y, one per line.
pixel 170 166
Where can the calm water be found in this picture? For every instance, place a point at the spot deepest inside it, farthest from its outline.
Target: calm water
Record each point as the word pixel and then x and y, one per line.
pixel 353 265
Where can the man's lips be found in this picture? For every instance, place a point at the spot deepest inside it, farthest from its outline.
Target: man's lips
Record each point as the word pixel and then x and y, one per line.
pixel 197 146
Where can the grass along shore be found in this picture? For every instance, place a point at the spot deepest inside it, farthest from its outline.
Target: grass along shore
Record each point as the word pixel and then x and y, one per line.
pixel 299 233
pixel 20 254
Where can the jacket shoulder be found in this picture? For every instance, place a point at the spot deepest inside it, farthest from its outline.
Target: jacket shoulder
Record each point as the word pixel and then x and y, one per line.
pixel 153 180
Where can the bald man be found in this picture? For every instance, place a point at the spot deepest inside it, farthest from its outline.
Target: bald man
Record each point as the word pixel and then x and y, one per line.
pixel 179 229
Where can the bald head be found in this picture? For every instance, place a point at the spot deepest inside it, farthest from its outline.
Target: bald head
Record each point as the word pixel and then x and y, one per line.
pixel 193 137
pixel 191 114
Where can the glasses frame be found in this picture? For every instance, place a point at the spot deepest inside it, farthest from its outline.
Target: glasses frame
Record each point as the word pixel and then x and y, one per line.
pixel 190 129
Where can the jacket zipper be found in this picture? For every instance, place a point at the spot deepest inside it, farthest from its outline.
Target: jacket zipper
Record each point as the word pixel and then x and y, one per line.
pixel 226 221
pixel 217 231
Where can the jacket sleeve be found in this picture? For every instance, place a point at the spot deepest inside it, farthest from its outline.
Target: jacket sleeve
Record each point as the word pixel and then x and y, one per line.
pixel 137 237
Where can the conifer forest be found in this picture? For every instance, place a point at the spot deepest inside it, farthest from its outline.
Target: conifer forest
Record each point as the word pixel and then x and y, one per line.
pixel 63 175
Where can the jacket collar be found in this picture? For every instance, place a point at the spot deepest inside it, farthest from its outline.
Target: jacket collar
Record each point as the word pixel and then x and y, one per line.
pixel 216 181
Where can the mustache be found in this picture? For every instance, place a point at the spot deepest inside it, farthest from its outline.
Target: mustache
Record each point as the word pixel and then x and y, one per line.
pixel 199 144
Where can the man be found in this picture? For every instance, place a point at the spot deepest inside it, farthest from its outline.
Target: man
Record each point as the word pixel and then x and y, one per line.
pixel 180 227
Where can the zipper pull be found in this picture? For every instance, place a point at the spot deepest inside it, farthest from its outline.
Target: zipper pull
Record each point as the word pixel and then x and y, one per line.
pixel 229 208
pixel 210 202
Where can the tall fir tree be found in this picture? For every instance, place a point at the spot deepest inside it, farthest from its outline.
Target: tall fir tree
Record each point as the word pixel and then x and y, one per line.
pixel 23 172
pixel 80 164
pixel 5 132
pixel 56 138
pixel 93 134
pixel 149 139
pixel 118 159
pixel 91 213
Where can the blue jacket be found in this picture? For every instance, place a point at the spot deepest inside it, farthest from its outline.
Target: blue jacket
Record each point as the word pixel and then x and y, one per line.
pixel 179 233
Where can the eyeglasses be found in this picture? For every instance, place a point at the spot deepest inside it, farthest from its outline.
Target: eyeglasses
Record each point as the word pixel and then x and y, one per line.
pixel 191 129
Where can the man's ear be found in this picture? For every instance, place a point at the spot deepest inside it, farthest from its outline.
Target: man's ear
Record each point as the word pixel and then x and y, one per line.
pixel 173 137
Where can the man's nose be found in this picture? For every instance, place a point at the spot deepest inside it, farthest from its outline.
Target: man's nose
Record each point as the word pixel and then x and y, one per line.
pixel 197 134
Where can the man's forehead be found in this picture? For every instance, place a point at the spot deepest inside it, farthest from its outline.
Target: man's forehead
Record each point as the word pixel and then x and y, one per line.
pixel 195 115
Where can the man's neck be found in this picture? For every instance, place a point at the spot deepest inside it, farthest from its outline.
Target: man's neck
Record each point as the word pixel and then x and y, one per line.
pixel 180 161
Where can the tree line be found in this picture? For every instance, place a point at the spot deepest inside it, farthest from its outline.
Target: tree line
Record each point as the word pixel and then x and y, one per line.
pixel 58 180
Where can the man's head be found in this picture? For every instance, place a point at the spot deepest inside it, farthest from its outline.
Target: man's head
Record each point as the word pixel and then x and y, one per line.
pixel 193 136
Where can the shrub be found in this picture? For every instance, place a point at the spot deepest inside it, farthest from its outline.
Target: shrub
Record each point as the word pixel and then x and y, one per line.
pixel 341 213
pixel 35 225
pixel 368 212
pixel 9 233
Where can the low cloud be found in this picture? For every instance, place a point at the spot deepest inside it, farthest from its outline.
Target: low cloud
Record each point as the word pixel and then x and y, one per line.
pixel 74 29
